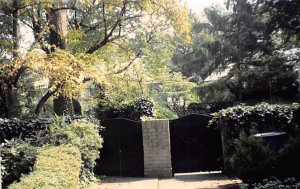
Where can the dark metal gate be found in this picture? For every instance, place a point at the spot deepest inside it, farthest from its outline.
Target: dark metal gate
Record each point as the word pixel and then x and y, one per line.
pixel 194 146
pixel 122 152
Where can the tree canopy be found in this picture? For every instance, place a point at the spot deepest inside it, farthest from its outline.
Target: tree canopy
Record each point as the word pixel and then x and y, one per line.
pixel 109 43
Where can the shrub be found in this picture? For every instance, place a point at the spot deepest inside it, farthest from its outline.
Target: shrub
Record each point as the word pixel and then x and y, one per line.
pixel 252 160
pixel 16 128
pixel 141 107
pixel 288 159
pixel 208 107
pixel 81 134
pixel 55 168
pixel 242 117
pixel 134 110
pixel 273 183
pixel 162 112
pixel 262 117
pixel 18 158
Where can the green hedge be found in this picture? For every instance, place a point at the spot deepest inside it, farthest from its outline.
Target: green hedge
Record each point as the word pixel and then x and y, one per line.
pixel 16 128
pixel 252 160
pixel 31 128
pixel 262 117
pixel 134 110
pixel 19 155
pixel 18 159
pixel 81 134
pixel 259 118
pixel 55 168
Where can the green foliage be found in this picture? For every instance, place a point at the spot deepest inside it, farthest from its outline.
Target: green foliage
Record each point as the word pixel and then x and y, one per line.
pixel 266 78
pixel 109 43
pixel 288 159
pixel 206 53
pixel 80 134
pixel 162 112
pixel 16 128
pixel 279 16
pixel 214 91
pixel 208 108
pixel 272 183
pixel 252 117
pixel 259 118
pixel 252 160
pixel 55 168
pixel 134 110
pixel 253 40
pixel 18 158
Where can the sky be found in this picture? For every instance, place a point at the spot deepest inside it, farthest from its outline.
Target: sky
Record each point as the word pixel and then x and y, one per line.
pixel 198 5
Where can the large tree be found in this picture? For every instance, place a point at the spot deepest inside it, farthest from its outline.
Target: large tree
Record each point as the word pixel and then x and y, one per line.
pixel 9 52
pixel 104 38
pixel 250 40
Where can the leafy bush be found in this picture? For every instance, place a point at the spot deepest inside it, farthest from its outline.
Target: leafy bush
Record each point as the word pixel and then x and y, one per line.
pixel 16 128
pixel 26 128
pixel 81 134
pixel 215 91
pixel 162 112
pixel 207 108
pixel 18 158
pixel 259 117
pixel 134 111
pixel 56 168
pixel 273 183
pixel 288 159
pixel 253 160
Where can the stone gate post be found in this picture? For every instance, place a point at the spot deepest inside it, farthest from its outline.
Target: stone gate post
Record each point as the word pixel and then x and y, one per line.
pixel 157 148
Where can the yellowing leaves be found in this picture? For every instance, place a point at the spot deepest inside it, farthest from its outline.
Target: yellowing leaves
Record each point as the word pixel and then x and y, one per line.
pixel 64 70
pixel 173 11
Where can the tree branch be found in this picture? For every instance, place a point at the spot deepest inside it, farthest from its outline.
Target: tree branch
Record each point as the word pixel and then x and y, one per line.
pixel 129 64
pixel 113 28
pixel 44 99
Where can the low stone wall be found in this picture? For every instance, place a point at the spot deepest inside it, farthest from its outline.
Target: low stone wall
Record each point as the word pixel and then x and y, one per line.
pixel 157 148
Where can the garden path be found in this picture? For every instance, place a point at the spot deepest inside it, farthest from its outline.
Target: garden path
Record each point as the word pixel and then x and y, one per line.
pixel 180 181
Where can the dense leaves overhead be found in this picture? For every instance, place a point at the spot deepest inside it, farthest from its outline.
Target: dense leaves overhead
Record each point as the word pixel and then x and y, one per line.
pixel 99 41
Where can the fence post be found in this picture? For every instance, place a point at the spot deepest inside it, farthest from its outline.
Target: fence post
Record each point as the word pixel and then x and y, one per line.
pixel 157 148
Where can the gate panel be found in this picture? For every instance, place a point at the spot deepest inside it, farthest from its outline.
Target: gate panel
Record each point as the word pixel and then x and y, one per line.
pixel 122 152
pixel 194 147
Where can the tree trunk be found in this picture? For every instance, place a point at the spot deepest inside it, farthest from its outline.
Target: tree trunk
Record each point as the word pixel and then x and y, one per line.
pixel 11 102
pixel 58 33
pixel 42 102
pixel 63 106
pixel 15 32
pixel 58 38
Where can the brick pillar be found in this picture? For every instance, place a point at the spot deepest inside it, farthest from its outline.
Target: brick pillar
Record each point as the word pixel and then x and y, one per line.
pixel 157 149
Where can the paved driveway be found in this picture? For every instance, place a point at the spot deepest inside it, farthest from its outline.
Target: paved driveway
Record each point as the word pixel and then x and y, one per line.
pixel 180 181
